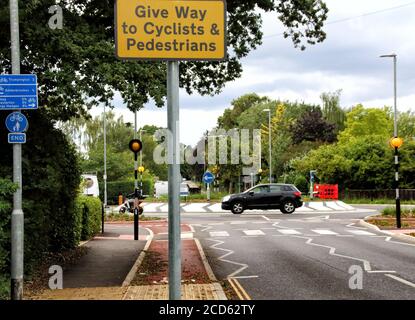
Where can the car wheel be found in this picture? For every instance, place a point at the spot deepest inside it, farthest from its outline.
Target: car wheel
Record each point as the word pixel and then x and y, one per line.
pixel 122 210
pixel 237 208
pixel 288 207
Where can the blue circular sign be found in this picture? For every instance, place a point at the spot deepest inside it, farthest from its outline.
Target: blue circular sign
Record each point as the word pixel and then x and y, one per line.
pixel 16 122
pixel 208 177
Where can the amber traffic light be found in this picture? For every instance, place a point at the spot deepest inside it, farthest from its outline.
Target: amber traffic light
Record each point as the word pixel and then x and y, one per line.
pixel 135 145
pixel 396 142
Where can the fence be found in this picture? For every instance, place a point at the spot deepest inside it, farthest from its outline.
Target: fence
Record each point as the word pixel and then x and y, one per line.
pixel 405 194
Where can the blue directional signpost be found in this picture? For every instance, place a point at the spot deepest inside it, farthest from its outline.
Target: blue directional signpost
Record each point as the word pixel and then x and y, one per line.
pixel 18 91
pixel 208 178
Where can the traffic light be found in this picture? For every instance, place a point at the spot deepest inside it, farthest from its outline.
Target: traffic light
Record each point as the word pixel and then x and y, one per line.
pixel 396 142
pixel 135 146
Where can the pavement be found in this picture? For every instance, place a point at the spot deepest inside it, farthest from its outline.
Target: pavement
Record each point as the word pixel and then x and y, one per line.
pixel 108 260
pixel 108 270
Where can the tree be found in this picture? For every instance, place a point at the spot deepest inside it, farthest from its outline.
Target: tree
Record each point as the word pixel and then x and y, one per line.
pixel 361 121
pixel 406 125
pixel 332 111
pixel 77 68
pixel 362 158
pixel 312 127
pixel 229 119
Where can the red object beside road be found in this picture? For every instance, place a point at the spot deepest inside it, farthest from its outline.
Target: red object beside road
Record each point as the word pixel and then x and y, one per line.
pixel 327 191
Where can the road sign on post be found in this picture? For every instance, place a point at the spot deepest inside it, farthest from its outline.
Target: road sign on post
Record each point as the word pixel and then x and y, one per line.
pixel 171 30
pixel 16 138
pixel 208 178
pixel 16 122
pixel 18 91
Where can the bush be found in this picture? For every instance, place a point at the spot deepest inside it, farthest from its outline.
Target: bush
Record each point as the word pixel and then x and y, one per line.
pixel 51 177
pixel 405 213
pixel 90 211
pixel 114 188
pixel 301 183
pixel 6 190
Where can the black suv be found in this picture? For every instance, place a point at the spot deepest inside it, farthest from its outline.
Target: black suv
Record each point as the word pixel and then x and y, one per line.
pixel 285 197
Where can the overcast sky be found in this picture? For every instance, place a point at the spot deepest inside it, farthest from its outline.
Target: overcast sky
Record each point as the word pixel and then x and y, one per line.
pixel 347 60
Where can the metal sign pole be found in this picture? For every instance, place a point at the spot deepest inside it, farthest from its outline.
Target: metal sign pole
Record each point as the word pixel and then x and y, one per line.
pixel 174 181
pixel 17 227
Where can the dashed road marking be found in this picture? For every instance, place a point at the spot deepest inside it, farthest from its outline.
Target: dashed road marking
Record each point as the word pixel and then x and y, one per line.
pixel 325 232
pixel 254 232
pixel 361 232
pixel 219 234
pixel 289 231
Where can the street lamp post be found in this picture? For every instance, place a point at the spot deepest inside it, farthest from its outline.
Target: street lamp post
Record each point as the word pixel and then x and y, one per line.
pixel 395 133
pixel 105 157
pixel 269 142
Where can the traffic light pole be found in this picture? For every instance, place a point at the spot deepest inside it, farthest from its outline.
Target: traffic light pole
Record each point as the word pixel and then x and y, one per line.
pixel 397 199
pixel 174 180
pixel 17 219
pixel 135 198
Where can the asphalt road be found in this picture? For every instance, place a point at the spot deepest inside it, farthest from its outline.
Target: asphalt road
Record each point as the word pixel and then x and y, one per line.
pixel 306 256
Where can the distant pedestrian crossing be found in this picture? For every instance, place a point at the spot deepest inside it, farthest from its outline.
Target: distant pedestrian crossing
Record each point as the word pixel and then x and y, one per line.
pixel 289 232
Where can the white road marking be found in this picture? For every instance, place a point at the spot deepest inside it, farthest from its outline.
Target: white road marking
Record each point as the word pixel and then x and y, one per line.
pixel 259 222
pixel 352 225
pixel 218 234
pixel 238 222
pixel 243 266
pixel 361 232
pixel 332 251
pixel 206 228
pixel 186 235
pixel 281 227
pixel 245 277
pixel 254 233
pixel 401 280
pixel 266 218
pixel 318 217
pixel 288 231
pixel 216 224
pixel 325 232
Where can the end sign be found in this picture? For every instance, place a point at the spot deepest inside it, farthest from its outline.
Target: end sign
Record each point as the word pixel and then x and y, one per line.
pixel 170 30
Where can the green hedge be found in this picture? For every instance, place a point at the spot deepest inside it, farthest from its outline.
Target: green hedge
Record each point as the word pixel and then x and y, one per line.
pixel 6 190
pixel 114 188
pixel 51 178
pixel 90 213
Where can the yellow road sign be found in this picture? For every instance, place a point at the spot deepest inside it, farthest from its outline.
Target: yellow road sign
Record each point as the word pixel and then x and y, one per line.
pixel 170 29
